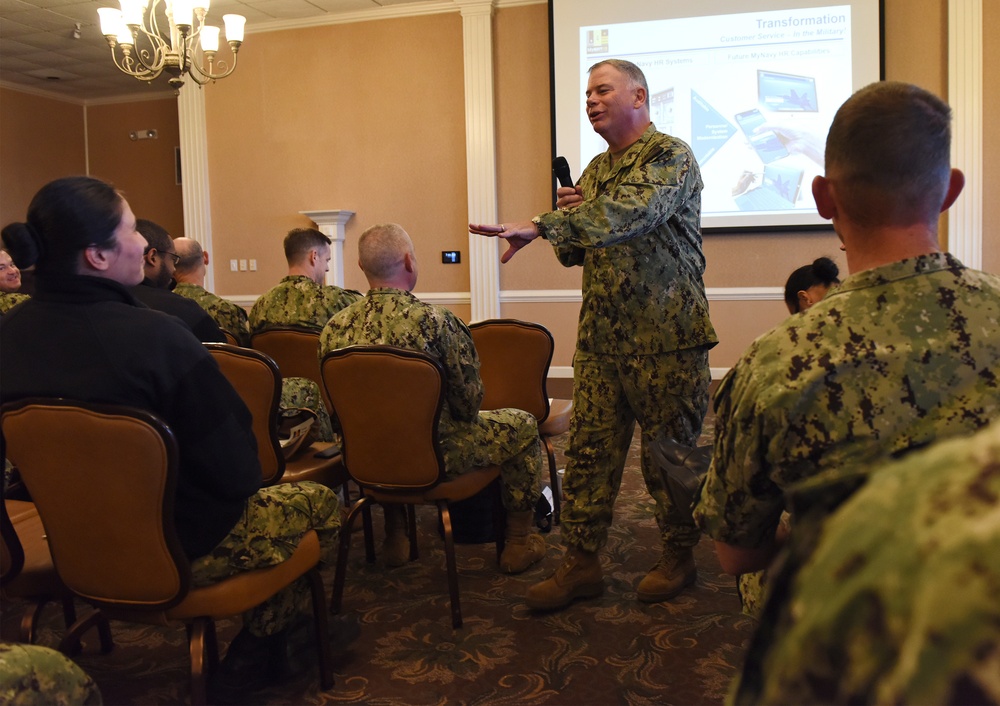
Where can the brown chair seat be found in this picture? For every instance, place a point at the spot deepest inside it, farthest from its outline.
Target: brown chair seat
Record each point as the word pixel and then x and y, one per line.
pixel 106 493
pixel 257 380
pixel 500 341
pixel 389 403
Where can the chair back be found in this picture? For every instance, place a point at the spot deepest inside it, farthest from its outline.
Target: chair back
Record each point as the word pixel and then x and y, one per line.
pixel 514 359
pixel 295 349
pixel 230 338
pixel 389 402
pixel 103 479
pixel 256 379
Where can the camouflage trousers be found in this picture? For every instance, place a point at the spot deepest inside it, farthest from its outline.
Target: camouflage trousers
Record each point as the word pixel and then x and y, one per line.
pixel 273 523
pixel 504 437
pixel 32 675
pixel 303 393
pixel 666 393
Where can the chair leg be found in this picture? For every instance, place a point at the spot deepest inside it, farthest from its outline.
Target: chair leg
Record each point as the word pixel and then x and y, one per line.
pixel 196 646
pixel 69 611
pixel 339 577
pixel 29 621
pixel 70 644
pixel 550 451
pixel 366 521
pixel 411 524
pixel 449 553
pixel 499 520
pixel 322 630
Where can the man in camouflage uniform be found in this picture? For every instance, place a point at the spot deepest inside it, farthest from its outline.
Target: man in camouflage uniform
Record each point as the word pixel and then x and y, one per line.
pixel 888 593
pixel 189 273
pixel 634 223
pixel 904 352
pixel 391 315
pixel 31 675
pixel 302 299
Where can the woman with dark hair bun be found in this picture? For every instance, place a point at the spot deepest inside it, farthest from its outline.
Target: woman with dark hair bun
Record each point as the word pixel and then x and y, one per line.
pixel 810 283
pixel 84 336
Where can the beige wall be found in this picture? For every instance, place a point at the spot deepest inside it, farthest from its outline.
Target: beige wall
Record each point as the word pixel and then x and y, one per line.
pixel 991 137
pixel 40 140
pixel 143 169
pixel 369 117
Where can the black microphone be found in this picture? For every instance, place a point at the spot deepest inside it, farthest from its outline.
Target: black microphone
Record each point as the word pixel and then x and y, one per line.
pixel 560 167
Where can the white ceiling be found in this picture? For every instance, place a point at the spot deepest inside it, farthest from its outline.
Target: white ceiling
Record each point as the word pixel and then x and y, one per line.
pixel 39 53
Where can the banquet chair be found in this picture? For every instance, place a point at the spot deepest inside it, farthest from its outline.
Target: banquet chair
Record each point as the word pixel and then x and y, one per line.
pixel 27 573
pixel 389 402
pixel 295 350
pixel 256 379
pixel 514 359
pixel 105 493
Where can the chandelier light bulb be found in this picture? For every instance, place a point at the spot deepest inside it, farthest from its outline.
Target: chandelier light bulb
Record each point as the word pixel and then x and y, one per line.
pixel 111 20
pixel 235 25
pixel 209 38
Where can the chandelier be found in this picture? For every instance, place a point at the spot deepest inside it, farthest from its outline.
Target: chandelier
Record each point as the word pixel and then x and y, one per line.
pixel 143 51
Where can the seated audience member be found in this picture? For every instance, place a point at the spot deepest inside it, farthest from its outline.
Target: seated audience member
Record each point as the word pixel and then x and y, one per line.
pixel 888 591
pixel 391 315
pixel 302 299
pixel 10 283
pixel 154 290
pixel 805 286
pixel 83 317
pixel 24 253
pixel 905 351
pixel 32 675
pixel 189 273
pixel 810 283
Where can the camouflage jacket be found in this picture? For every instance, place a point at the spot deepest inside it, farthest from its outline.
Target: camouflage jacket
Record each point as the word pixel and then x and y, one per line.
pixel 888 594
pixel 396 318
pixel 8 300
pixel 896 357
pixel 230 317
pixel 638 237
pixel 299 301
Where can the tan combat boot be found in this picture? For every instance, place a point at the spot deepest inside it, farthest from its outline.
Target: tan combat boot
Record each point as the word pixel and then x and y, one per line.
pixel 396 547
pixel 524 546
pixel 674 572
pixel 579 576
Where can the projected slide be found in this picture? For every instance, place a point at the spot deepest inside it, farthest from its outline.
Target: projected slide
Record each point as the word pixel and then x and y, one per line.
pixel 753 93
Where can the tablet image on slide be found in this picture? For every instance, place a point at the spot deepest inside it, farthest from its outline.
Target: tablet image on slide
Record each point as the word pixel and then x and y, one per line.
pixel 786 92
pixel 778 191
pixel 767 145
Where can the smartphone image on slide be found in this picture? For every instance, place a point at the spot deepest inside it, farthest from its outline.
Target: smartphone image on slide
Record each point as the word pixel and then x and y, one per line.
pixel 765 143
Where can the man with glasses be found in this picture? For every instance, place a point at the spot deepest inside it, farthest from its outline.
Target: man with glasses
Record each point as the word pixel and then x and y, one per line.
pixel 159 261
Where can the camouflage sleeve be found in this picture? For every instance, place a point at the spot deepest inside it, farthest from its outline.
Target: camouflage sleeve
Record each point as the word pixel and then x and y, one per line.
pixel 739 503
pixel 458 355
pixel 653 191
pixel 898 602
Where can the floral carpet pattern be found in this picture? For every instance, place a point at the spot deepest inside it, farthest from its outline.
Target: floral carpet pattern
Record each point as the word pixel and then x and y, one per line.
pixel 609 650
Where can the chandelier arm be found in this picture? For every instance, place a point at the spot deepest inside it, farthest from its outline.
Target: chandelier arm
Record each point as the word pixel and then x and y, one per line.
pixel 209 75
pixel 127 64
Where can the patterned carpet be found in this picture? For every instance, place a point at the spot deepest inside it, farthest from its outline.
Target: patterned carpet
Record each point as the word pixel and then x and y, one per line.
pixel 612 650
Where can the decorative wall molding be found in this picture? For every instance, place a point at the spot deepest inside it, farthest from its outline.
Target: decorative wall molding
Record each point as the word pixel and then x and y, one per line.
pixel 965 95
pixel 388 12
pixel 559 296
pixel 566 296
pixel 195 192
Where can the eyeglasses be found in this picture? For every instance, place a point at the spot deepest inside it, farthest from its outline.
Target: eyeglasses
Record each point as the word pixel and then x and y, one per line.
pixel 175 256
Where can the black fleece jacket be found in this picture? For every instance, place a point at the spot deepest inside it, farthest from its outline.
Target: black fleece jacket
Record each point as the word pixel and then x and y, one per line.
pixel 89 339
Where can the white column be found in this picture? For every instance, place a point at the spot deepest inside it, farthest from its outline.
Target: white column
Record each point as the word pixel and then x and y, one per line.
pixel 480 150
pixel 965 94
pixel 332 224
pixel 194 170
